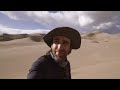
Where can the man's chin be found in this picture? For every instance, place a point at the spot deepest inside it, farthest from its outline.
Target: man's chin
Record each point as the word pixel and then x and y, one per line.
pixel 61 55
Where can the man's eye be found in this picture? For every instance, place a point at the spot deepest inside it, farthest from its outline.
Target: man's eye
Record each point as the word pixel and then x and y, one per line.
pixel 56 41
pixel 66 43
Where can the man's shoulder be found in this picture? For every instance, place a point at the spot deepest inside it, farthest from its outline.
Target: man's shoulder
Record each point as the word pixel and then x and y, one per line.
pixel 40 62
pixel 41 59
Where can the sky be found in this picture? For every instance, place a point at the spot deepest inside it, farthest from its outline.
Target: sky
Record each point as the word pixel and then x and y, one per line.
pixel 28 22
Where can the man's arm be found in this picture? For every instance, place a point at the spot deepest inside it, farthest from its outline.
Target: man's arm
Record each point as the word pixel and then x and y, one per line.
pixel 37 70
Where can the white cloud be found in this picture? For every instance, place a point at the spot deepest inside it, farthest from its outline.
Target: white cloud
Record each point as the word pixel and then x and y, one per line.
pixel 63 18
pixel 118 26
pixel 104 26
pixel 5 29
pixel 84 20
pixel 76 19
pixel 10 14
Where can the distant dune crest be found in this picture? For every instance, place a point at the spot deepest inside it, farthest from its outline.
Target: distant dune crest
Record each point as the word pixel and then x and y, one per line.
pixel 96 36
pixel 8 37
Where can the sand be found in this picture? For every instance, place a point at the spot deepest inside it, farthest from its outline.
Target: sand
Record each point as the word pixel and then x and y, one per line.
pixel 98 58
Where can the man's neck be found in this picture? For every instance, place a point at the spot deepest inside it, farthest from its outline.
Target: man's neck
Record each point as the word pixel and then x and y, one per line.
pixel 61 62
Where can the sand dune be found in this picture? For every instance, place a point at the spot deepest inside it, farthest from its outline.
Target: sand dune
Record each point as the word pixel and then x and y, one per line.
pixel 98 57
pixel 17 42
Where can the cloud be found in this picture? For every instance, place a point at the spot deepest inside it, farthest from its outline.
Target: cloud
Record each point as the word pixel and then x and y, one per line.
pixel 5 29
pixel 11 15
pixel 83 21
pixel 104 26
pixel 62 18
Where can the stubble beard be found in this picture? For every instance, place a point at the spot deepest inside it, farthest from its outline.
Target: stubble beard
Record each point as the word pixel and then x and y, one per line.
pixel 60 54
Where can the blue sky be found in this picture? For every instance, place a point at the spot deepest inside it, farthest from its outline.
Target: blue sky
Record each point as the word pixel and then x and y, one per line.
pixel 18 22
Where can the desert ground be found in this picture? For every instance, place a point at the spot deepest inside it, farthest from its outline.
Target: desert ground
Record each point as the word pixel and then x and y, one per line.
pixel 98 57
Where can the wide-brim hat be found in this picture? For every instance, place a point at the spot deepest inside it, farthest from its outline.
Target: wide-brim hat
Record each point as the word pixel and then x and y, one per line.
pixel 68 32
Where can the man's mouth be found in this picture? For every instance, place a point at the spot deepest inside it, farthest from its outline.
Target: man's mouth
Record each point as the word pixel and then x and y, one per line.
pixel 61 53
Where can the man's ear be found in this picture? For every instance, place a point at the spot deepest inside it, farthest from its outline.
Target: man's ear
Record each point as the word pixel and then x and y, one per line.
pixel 70 48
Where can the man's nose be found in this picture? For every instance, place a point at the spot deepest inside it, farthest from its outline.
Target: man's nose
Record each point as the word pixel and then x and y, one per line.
pixel 60 46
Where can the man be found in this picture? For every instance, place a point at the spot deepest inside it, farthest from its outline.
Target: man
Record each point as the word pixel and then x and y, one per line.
pixel 54 65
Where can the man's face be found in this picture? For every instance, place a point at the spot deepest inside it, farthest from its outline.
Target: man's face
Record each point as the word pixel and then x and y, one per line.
pixel 61 47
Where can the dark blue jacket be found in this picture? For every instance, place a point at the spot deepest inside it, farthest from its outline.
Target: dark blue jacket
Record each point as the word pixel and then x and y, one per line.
pixel 46 68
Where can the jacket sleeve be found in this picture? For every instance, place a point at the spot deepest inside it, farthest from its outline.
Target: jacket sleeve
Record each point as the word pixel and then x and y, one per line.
pixel 37 69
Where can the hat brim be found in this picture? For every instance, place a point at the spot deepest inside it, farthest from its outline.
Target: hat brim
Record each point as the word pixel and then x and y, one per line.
pixel 68 32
